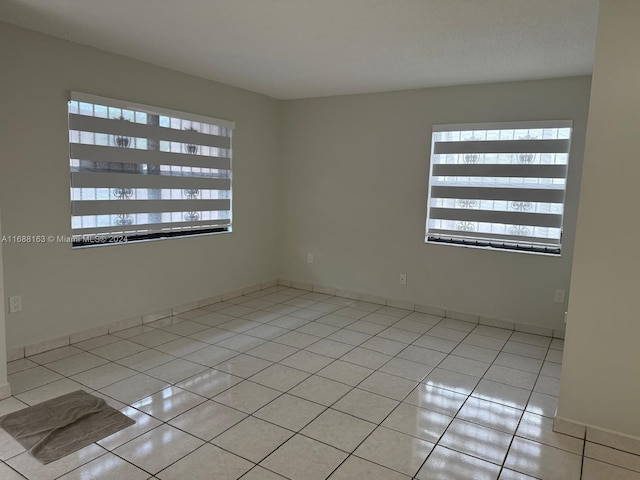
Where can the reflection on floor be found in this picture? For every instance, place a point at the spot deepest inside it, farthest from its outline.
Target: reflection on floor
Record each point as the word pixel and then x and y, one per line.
pixel 287 384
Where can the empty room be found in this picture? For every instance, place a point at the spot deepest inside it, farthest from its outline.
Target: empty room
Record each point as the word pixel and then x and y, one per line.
pixel 319 240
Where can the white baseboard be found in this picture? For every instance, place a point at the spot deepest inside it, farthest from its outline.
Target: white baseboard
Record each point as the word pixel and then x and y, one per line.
pixel 431 310
pixel 5 391
pixel 16 353
pixel 594 434
pixel 569 427
pixel 50 344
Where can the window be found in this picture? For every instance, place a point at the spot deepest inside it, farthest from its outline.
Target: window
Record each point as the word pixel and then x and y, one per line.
pixel 499 185
pixel 141 172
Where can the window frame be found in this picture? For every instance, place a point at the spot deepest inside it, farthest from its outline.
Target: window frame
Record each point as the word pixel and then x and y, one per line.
pixel 174 169
pixel 448 178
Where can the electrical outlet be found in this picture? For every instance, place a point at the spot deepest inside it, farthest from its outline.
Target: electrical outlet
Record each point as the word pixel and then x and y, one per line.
pixel 15 304
pixel 559 296
pixel 403 279
pixel 309 257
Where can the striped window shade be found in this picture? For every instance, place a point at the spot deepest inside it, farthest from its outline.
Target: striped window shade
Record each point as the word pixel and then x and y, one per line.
pixel 499 185
pixel 140 172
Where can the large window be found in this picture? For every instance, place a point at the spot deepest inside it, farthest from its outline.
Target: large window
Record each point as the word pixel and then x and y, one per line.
pixel 499 185
pixel 140 172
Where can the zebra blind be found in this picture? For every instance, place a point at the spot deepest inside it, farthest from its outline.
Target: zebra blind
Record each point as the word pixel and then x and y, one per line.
pixel 140 172
pixel 499 185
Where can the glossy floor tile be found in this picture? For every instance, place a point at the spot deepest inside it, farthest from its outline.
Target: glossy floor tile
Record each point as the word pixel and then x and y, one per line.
pixel 302 458
pixel 287 384
pixel 339 430
pixel 446 464
pixel 253 439
pixel 397 451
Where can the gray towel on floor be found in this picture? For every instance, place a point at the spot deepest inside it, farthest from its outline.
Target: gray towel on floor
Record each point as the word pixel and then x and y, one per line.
pixel 60 426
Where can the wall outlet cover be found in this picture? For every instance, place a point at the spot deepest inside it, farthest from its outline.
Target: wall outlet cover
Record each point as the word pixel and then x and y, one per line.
pixel 15 304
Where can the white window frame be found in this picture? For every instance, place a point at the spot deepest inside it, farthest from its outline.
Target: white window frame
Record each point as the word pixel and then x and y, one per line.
pixel 499 185
pixel 140 172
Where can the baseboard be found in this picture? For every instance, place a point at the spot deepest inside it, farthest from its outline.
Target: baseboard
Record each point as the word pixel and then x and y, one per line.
pixel 594 434
pixel 569 427
pixel 430 309
pixel 51 344
pixel 5 391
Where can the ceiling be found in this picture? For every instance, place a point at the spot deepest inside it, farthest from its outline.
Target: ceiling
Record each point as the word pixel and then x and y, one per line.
pixel 309 48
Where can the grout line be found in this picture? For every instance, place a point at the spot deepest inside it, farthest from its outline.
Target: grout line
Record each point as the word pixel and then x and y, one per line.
pixel 309 375
pixel 584 449
pixel 437 443
pixel 502 467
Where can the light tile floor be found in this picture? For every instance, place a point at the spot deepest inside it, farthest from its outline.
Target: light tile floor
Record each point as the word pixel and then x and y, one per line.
pixel 287 384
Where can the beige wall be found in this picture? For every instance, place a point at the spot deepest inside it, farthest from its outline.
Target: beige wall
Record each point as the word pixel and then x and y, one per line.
pixel 355 178
pixel 66 291
pixel 600 375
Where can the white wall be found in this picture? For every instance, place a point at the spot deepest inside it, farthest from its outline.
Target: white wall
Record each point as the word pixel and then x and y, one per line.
pixel 66 291
pixel 600 375
pixel 342 177
pixel 5 389
pixel 355 178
